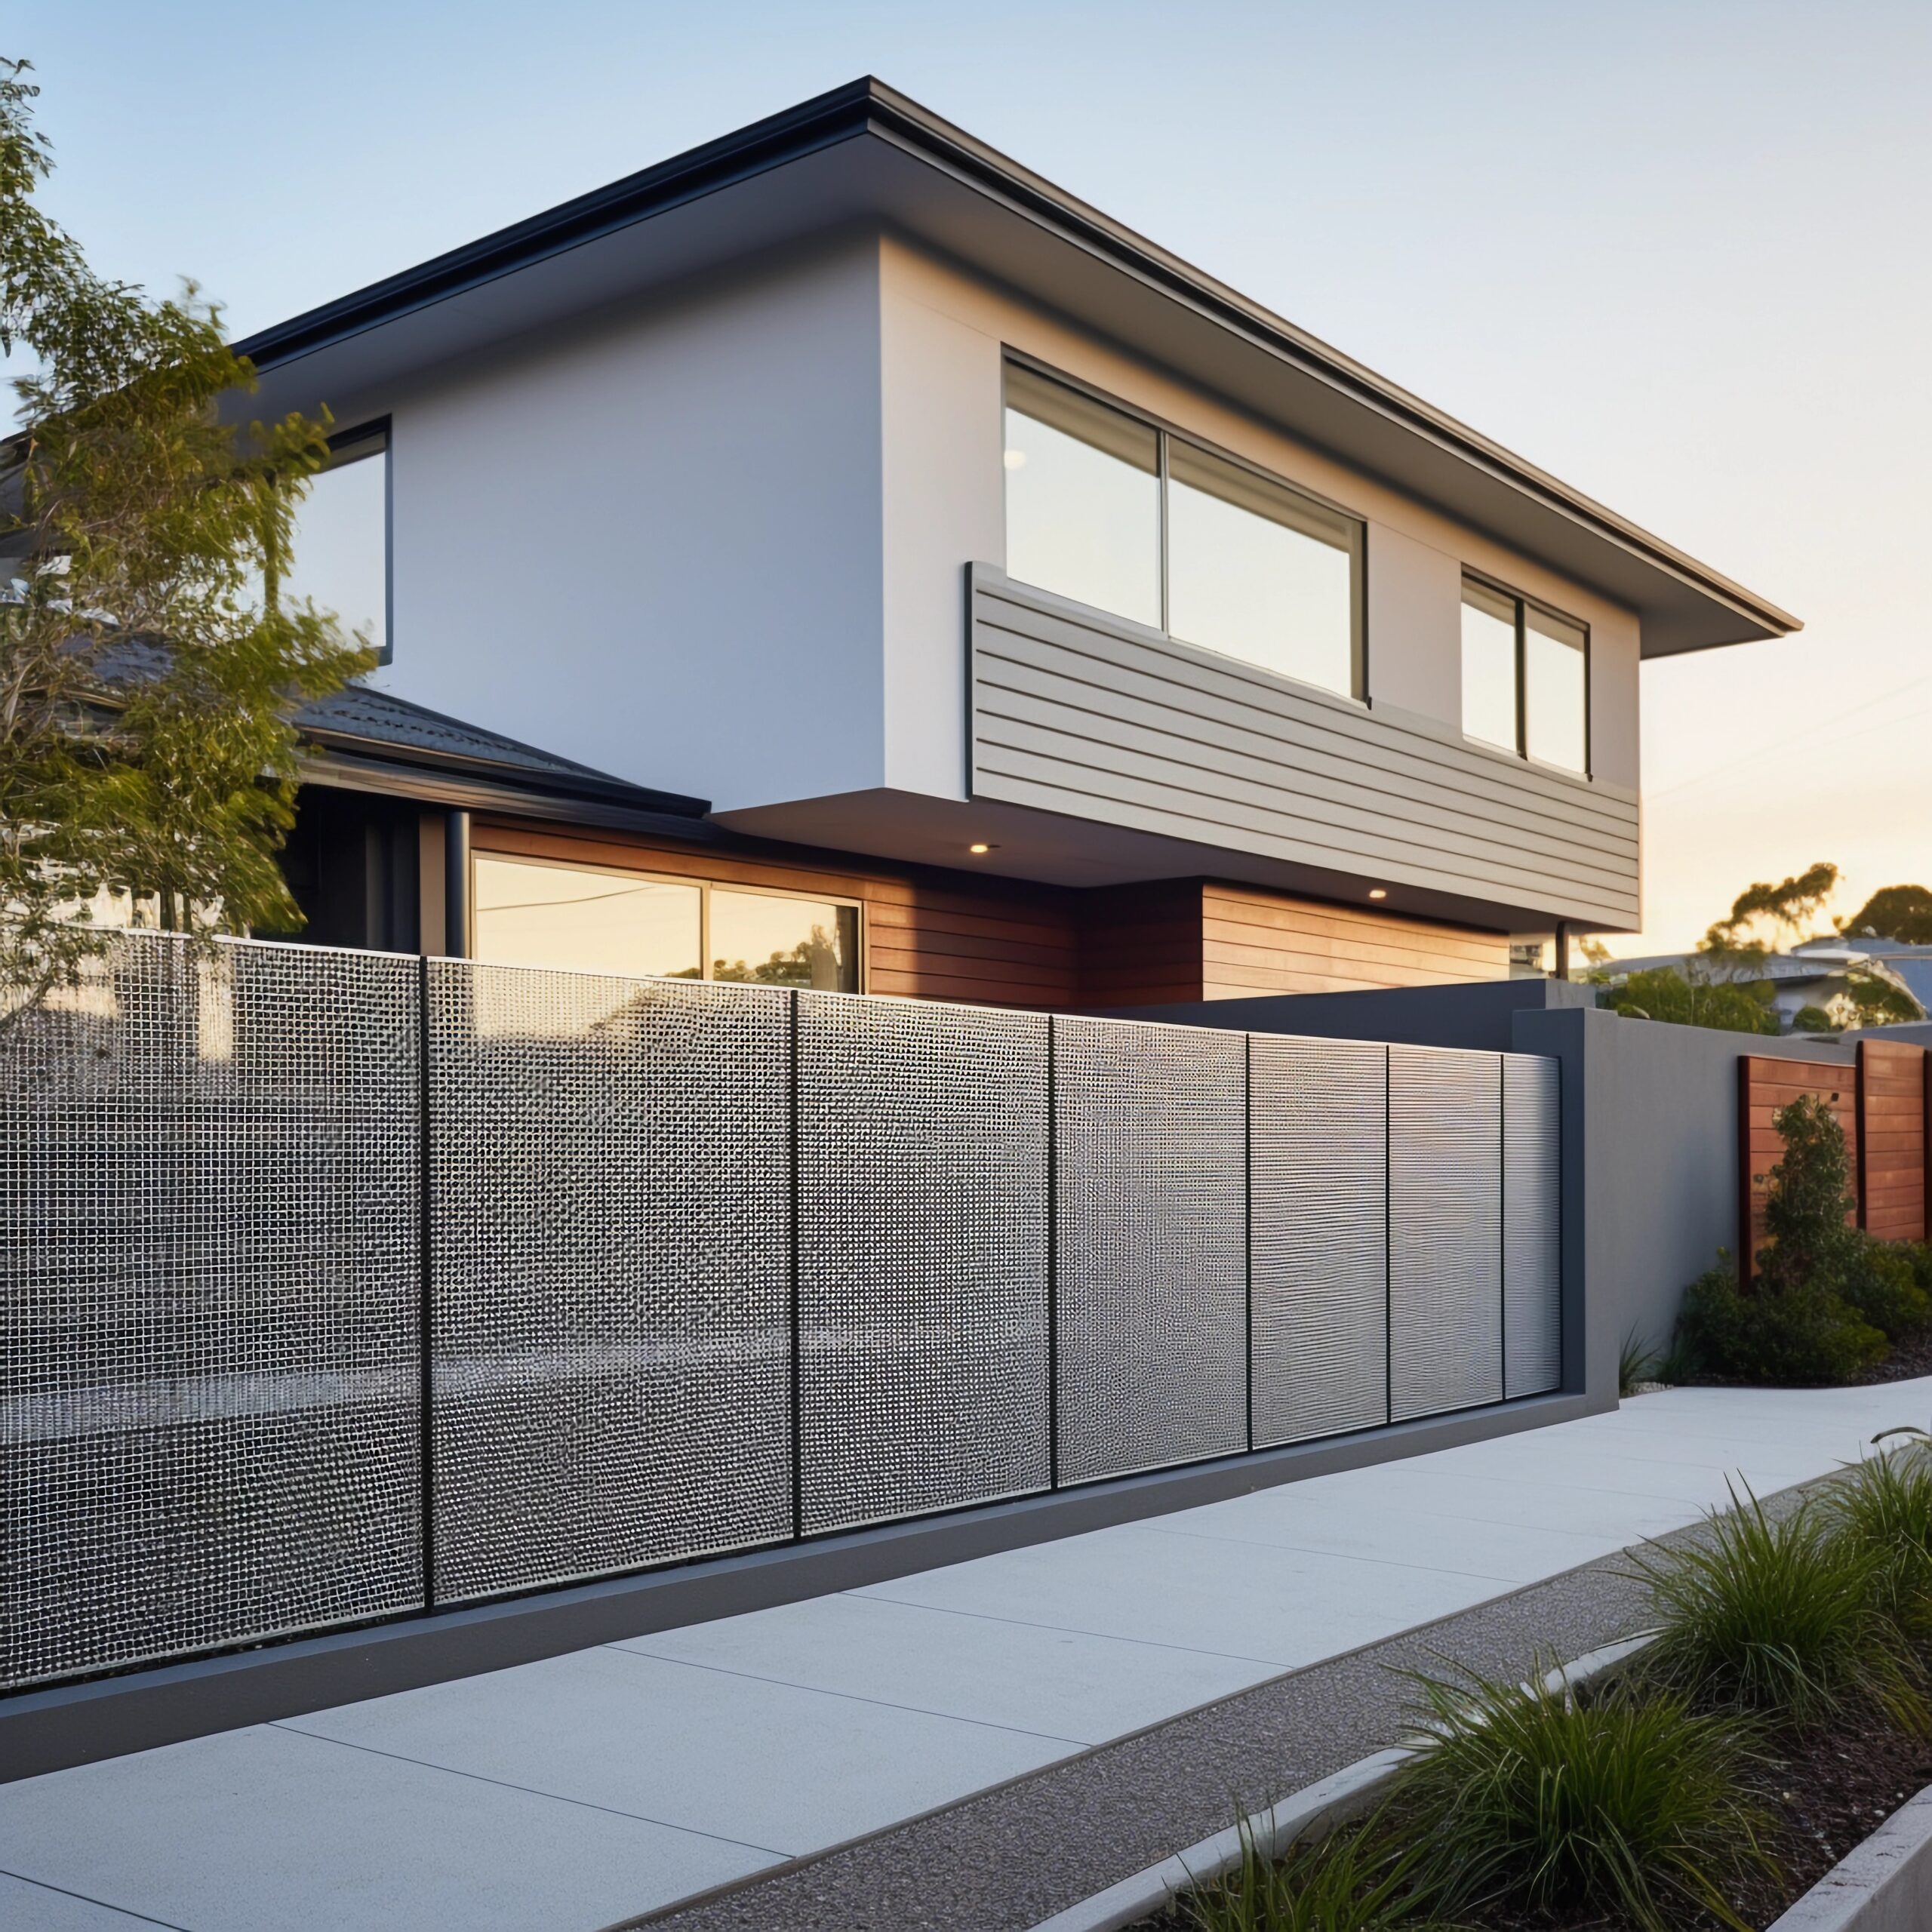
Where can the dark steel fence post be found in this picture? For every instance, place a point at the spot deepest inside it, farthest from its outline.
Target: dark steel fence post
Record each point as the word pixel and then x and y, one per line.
pixel 1052 1261
pixel 425 1280
pixel 798 1433
pixel 1247 1228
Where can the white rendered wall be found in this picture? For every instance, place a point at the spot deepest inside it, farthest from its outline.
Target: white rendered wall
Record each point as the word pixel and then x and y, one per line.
pixel 942 331
pixel 653 544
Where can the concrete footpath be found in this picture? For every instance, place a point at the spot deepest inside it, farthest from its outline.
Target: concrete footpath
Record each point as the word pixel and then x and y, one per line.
pixel 578 1792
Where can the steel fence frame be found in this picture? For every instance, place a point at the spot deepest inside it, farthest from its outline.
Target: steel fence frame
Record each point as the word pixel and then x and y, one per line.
pixel 997 1254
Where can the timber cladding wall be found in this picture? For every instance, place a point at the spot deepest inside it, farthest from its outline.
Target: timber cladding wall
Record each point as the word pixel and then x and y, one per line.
pixel 1764 1084
pixel 1881 1103
pixel 1891 1139
pixel 1006 944
pixel 1260 942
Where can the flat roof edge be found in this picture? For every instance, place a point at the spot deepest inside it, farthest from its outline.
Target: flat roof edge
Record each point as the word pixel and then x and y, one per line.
pixel 868 105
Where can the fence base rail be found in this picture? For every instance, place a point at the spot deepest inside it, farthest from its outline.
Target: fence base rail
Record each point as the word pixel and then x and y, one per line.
pixel 66 1724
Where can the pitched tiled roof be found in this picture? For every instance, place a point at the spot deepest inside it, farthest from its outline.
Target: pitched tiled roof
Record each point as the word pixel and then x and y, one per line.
pixel 365 721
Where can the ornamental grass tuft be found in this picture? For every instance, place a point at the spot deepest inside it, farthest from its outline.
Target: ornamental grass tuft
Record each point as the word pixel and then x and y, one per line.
pixel 1534 1797
pixel 1353 1881
pixel 1786 1619
pixel 1883 1509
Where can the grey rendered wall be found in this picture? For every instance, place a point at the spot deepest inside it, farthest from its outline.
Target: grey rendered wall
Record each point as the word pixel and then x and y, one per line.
pixel 651 541
pixel 1660 1152
pixel 1079 713
pixel 1650 1133
pixel 1481 1016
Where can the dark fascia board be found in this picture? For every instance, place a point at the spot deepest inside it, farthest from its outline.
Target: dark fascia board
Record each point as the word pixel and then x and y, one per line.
pixel 869 107
pixel 347 766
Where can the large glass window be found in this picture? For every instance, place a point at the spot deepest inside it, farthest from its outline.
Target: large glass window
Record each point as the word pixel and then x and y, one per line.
pixel 1083 499
pixel 1525 678
pixel 339 555
pixel 1555 689
pixel 1489 666
pixel 783 942
pixel 1109 510
pixel 583 919
pixel 1258 571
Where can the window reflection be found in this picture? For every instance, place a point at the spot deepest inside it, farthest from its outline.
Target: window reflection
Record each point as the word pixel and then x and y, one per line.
pixel 574 919
pixel 779 942
pixel 339 551
pixel 1258 571
pixel 1083 499
pixel 1489 666
pixel 1555 697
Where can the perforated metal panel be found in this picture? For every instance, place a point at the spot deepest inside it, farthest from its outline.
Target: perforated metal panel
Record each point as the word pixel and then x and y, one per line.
pixel 1151 1185
pixel 1445 1231
pixel 1318 1110
pixel 1532 1225
pixel 209 1403
pixel 610 1281
pixel 922 1257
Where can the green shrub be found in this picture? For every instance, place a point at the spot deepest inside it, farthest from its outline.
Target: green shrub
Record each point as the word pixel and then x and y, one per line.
pixel 1352 1880
pixel 1784 1618
pixel 1883 1508
pixel 1800 1335
pixel 1878 1279
pixel 1542 1799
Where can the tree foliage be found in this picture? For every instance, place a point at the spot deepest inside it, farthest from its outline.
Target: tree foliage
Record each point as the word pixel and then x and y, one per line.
pixel 1663 993
pixel 1763 915
pixel 1902 912
pixel 147 667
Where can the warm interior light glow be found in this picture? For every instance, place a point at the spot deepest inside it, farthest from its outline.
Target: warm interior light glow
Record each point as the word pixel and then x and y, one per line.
pixel 979 848
pixel 1378 892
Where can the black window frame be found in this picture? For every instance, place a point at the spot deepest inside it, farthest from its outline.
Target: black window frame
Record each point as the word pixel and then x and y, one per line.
pixel 1166 433
pixel 1523 604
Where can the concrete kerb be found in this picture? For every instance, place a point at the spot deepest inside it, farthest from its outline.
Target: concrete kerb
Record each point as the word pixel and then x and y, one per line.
pixel 1884 1885
pixel 1348 1794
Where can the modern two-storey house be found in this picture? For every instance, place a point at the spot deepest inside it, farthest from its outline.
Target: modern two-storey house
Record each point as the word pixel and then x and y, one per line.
pixel 918 583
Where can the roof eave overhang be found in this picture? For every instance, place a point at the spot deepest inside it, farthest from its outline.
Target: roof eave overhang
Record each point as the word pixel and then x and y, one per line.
pixel 1257 357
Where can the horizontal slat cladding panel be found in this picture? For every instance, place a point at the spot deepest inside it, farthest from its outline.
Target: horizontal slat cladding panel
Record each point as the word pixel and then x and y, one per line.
pixel 1445 1231
pixel 210 1377
pixel 1768 1083
pixel 1150 1137
pixel 611 1226
pixel 1318 1110
pixel 1077 713
pixel 1891 1091
pixel 1277 785
pixel 922 1258
pixel 1532 1225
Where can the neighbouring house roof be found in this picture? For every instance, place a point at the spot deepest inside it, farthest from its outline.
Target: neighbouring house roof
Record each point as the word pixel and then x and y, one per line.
pixel 362 731
pixel 1812 964
pixel 865 153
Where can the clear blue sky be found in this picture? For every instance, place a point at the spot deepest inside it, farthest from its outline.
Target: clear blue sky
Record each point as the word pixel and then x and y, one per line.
pixel 1680 254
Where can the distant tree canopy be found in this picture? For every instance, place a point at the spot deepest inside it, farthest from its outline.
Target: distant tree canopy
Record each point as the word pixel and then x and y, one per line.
pixel 1663 993
pixel 1763 915
pixel 1902 912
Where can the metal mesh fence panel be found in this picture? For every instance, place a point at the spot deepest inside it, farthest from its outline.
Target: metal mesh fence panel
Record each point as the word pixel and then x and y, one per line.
pixel 610 1272
pixel 1318 1110
pixel 1445 1231
pixel 1151 1153
pixel 922 1257
pixel 211 1398
pixel 1532 1225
